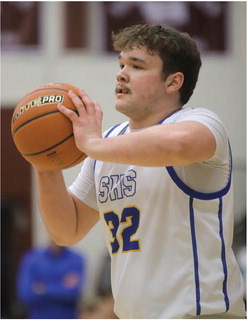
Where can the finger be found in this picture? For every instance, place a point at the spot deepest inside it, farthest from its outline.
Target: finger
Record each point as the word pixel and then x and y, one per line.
pixel 69 113
pixel 98 110
pixel 88 103
pixel 78 103
pixel 98 115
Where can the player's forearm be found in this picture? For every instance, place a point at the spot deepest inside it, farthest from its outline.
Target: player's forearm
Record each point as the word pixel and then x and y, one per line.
pixel 57 207
pixel 162 145
pixel 144 148
pixel 126 149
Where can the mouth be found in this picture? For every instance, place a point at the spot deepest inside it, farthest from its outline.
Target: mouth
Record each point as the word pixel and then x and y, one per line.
pixel 122 90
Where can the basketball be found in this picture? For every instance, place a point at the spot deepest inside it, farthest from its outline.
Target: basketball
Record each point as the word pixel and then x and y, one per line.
pixel 42 134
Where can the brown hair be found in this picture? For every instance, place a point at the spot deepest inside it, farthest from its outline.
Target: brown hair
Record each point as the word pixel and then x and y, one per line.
pixel 177 50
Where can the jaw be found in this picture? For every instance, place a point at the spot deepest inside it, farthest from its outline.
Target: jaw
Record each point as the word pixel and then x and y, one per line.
pixel 135 112
pixel 122 102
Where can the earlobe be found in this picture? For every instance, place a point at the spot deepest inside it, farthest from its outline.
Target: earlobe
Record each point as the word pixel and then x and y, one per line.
pixel 174 82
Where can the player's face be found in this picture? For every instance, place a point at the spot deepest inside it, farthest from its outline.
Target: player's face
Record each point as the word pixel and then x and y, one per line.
pixel 140 89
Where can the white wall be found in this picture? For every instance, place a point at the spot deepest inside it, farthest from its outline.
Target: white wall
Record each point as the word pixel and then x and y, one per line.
pixel 221 87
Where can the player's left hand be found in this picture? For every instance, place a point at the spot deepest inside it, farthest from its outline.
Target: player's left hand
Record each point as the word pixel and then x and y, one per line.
pixel 87 123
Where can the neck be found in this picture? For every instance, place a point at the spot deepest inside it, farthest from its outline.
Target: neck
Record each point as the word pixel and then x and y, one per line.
pixel 152 120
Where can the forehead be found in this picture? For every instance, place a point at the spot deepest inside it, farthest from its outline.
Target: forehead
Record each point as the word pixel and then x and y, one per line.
pixel 140 55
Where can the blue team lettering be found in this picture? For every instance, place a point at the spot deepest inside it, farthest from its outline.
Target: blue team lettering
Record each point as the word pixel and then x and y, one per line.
pixel 116 187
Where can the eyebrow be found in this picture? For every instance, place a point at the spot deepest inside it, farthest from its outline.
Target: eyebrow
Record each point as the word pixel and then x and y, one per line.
pixel 134 59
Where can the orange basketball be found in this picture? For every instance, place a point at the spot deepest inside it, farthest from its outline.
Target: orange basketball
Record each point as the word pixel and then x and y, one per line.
pixel 41 133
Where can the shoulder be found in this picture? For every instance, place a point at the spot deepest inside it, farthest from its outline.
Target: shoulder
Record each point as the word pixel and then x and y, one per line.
pixel 212 121
pixel 205 116
pixel 187 113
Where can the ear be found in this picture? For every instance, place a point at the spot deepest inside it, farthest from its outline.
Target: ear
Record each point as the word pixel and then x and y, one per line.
pixel 174 82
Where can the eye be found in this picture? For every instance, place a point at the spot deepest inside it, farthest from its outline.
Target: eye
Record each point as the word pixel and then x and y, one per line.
pixel 137 67
pixel 121 66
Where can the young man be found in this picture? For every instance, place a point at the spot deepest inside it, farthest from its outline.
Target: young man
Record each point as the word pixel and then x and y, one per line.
pixel 160 184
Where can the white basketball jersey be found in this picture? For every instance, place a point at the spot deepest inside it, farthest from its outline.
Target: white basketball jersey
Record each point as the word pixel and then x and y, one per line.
pixel 168 230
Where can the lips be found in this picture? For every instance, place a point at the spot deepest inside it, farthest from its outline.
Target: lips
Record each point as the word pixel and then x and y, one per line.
pixel 122 89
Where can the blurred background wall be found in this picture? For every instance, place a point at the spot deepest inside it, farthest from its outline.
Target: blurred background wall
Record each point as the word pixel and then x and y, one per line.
pixel 70 42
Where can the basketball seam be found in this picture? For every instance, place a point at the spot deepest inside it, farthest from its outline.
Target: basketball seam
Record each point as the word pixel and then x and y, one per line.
pixel 37 117
pixel 47 149
pixel 34 118
pixel 69 165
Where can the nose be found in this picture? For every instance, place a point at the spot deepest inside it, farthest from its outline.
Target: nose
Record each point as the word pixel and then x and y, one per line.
pixel 122 76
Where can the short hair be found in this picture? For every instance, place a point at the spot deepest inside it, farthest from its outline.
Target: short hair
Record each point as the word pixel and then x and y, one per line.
pixel 177 50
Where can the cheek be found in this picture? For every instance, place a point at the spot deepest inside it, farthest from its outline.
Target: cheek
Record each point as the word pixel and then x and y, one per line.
pixel 148 89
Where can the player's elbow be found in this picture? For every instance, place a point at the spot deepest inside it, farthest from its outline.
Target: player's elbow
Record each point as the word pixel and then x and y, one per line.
pixel 63 240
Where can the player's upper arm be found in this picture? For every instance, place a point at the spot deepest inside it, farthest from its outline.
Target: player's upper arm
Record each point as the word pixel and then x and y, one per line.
pixel 190 141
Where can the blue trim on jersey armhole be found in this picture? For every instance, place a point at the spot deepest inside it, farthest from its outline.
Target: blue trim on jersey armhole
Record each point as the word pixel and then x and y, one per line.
pixel 195 257
pixel 223 255
pixel 191 192
pixel 203 196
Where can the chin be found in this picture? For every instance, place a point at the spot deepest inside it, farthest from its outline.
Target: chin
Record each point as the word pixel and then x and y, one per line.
pixel 119 106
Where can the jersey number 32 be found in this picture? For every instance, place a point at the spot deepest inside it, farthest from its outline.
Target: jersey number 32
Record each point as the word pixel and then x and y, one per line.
pixel 123 229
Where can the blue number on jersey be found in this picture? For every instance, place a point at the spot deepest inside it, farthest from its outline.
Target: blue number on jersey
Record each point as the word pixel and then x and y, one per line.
pixel 130 218
pixel 112 221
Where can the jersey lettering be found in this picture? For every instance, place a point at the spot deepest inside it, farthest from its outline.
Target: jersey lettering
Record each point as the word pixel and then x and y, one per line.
pixel 104 189
pixel 116 187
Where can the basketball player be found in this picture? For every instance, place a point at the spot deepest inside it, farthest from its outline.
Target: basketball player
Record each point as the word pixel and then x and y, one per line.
pixel 160 184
